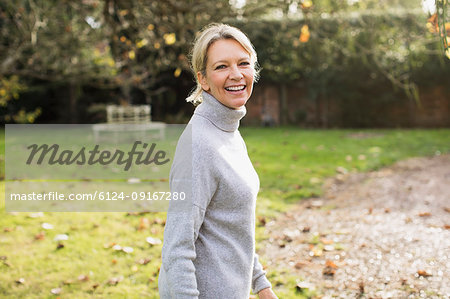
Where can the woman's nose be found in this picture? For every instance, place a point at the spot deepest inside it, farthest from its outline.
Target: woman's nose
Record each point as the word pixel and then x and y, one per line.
pixel 235 73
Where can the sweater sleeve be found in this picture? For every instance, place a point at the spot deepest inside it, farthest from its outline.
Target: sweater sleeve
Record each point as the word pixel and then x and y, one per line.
pixel 259 279
pixel 183 223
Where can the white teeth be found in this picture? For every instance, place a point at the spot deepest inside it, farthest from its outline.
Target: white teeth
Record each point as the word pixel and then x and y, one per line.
pixel 235 88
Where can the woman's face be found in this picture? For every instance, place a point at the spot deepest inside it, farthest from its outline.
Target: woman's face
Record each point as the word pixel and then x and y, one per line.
pixel 229 73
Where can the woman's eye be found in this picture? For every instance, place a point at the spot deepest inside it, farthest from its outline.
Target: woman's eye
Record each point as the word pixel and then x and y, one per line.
pixel 245 63
pixel 222 66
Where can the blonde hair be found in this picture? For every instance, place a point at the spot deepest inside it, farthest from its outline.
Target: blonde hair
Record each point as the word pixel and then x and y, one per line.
pixel 199 55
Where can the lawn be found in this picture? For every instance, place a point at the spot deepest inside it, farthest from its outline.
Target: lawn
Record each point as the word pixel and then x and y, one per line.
pixel 292 164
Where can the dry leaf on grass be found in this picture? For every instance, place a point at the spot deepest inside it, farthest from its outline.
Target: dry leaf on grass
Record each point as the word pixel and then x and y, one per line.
pixel 40 236
pixel 424 273
pixel 330 268
pixel 115 280
pixel 425 214
pixel 56 291
pixel 144 223
pixel 153 241
pixel 144 261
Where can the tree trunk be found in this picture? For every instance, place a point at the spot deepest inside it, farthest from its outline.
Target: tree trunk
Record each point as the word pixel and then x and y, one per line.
pixel 74 95
pixel 283 104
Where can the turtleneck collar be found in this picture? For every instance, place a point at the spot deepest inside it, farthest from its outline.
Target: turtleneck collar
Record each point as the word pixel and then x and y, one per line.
pixel 221 116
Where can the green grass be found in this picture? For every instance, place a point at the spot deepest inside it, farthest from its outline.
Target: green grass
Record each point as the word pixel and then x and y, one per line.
pixel 292 164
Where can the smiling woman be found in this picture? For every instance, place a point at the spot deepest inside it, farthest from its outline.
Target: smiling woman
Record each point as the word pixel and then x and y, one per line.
pixel 229 74
pixel 209 240
pixel 223 57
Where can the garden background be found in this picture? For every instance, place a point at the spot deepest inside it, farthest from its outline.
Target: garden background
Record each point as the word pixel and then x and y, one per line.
pixel 346 86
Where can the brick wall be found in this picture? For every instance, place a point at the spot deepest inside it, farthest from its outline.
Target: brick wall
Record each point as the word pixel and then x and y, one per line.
pixel 264 108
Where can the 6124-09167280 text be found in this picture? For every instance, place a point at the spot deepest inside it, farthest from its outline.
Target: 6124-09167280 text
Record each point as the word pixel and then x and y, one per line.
pixel 102 195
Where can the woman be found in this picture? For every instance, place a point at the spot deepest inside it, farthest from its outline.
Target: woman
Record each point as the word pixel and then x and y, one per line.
pixel 209 239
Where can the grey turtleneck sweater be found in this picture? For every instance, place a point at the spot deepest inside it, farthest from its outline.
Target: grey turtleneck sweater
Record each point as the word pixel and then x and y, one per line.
pixel 209 241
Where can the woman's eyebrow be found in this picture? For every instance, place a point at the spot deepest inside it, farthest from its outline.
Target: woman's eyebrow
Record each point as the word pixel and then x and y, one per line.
pixel 226 60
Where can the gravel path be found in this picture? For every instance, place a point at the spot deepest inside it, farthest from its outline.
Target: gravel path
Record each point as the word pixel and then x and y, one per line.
pixel 383 234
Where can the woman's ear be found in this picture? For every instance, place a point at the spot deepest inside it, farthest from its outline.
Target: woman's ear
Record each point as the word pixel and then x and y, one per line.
pixel 203 82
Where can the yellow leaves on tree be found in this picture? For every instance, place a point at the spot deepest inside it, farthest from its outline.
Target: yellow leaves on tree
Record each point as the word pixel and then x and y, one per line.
pixel 433 27
pixel 307 4
pixel 141 43
pixel 10 89
pixel 177 72
pixel 304 34
pixel 170 38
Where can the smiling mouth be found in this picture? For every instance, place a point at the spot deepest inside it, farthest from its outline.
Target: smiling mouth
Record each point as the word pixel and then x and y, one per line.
pixel 235 88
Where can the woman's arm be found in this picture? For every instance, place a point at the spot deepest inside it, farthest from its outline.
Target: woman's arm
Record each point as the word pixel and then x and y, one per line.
pixel 259 279
pixel 184 219
pixel 267 293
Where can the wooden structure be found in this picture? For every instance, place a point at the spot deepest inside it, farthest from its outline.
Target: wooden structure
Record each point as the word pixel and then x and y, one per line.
pixel 129 120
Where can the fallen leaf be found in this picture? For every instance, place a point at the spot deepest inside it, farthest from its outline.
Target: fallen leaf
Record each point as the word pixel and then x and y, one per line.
pixel 447 209
pixel 8 229
pixel 3 257
pixel 134 180
pixel 341 170
pixel 46 225
pixel 361 288
pixel 95 285
pixel 326 241
pixel 425 214
pixel 328 248
pixel 40 236
pixel 114 261
pixel 117 247
pixel 61 237
pixel 36 215
pixel 20 281
pixel 287 237
pixel 330 268
pixel 83 277
pixel 153 241
pixel 446 226
pixel 127 249
pixel 60 246
pixel 303 285
pixel 159 221
pixel 302 264
pixel 68 282
pixel 424 273
pixel 144 223
pixel 115 280
pixel 281 243
pixel 306 229
pixel 109 245
pixel 56 291
pixel 330 264
pixel 144 261
pixel 262 220
pixel 316 252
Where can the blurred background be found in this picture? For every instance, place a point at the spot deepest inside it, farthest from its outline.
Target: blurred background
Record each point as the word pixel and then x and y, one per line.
pixel 348 63
pixel 348 88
